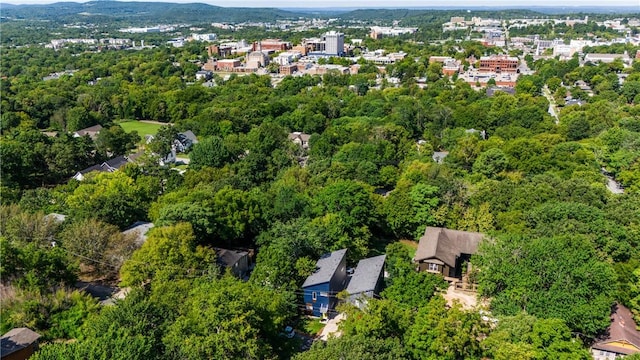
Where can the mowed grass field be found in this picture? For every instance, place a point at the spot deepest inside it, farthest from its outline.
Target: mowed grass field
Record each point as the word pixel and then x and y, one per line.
pixel 143 128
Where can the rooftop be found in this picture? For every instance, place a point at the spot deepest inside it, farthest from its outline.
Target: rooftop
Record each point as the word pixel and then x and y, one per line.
pixel 140 230
pixel 366 275
pixel 326 267
pixel 17 339
pixel 446 244
pixel 623 338
pixel 228 258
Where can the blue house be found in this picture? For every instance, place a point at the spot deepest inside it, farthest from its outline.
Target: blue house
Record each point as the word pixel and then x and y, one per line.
pixel 321 287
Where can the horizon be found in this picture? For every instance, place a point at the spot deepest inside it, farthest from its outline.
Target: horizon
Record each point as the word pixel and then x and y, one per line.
pixel 377 4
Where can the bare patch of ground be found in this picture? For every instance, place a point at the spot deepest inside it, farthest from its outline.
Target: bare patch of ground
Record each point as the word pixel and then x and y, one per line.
pixel 468 299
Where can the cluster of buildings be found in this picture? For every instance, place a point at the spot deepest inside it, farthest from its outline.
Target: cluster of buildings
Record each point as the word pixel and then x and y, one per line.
pixel 476 24
pixel 99 44
pixel 378 32
pixel 181 143
pixel 502 69
pixel 180 41
pixel 151 29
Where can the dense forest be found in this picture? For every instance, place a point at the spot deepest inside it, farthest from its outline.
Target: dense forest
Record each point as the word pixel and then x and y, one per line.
pixel 563 249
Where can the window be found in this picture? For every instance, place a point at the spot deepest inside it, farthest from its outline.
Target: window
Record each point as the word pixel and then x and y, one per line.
pixel 433 267
pixel 314 296
pixel 325 294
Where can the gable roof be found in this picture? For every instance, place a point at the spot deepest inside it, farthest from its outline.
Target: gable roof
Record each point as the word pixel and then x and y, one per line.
pixel 326 267
pixel 623 337
pixel 17 339
pixel 299 135
pixel 92 131
pixel 190 136
pixel 228 257
pixel 446 244
pixel 115 163
pixel 365 277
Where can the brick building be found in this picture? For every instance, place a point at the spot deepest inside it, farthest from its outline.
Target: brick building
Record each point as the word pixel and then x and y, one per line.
pixel 498 64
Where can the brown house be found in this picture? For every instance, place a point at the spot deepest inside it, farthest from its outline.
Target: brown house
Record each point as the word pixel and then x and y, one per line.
pixel 18 344
pixel 445 251
pixel 622 337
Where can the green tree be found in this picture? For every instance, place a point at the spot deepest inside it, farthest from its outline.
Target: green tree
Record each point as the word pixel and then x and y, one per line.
pixel 169 252
pixel 526 337
pixel 247 320
pixel 209 152
pixel 536 274
pixel 97 245
pixel 438 333
pixel 490 163
pixel 114 141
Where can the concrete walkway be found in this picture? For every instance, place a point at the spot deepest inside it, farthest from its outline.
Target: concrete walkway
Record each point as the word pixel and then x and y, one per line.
pixel 331 328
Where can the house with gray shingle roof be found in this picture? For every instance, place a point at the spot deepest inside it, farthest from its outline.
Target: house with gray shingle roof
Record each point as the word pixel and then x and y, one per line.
pixel 19 343
pixel 367 280
pixel 321 288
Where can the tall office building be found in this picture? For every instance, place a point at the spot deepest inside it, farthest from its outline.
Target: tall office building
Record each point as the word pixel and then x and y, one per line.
pixel 334 43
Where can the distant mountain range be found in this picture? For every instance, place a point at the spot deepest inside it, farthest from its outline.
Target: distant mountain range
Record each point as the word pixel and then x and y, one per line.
pixel 161 12
pixel 154 12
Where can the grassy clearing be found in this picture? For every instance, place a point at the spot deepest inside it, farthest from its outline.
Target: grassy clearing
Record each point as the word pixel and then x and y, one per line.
pixel 141 127
pixel 411 245
pixel 312 326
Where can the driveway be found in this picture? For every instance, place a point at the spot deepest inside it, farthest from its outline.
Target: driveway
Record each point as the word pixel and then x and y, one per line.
pixel 331 328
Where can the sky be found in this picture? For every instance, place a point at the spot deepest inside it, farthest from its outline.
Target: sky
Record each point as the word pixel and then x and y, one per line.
pixel 386 3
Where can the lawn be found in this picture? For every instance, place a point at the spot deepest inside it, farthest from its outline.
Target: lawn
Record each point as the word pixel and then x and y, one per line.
pixel 312 326
pixel 142 128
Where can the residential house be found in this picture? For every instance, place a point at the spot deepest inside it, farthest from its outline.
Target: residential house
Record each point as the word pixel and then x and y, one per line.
pixel 301 139
pixel 367 280
pixel 18 344
pixel 237 261
pixel 139 229
pixel 185 140
pixel 445 251
pixel 91 131
pixel 622 337
pixel 438 156
pixel 203 74
pixel 321 287
pixel 107 166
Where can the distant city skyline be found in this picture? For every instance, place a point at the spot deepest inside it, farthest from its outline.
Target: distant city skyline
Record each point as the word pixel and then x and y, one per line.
pixel 384 3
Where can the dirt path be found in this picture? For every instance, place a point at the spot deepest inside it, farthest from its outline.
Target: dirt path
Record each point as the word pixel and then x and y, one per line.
pixel 154 122
pixel 468 300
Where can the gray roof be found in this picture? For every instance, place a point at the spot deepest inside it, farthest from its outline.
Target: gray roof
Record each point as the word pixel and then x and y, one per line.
pixel 446 244
pixel 299 135
pixel 438 156
pixel 228 257
pixel 116 162
pixel 16 339
pixel 92 131
pixel 56 217
pixel 140 230
pixel 493 89
pixel 191 136
pixel 326 267
pixel 366 275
